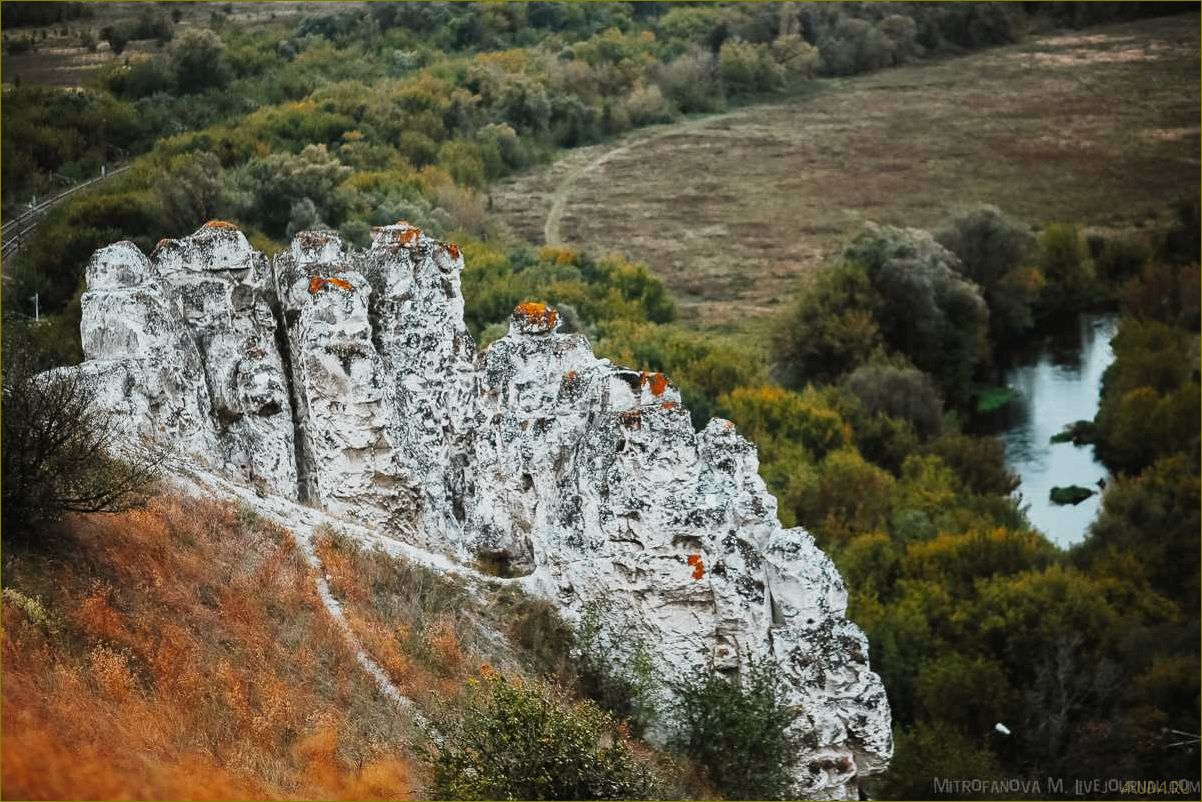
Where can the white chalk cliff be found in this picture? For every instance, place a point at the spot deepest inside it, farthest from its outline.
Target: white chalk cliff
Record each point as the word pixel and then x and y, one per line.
pixel 346 379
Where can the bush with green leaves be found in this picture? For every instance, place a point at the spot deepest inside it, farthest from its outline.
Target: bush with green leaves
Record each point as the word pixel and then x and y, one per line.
pixel 831 328
pixel 890 288
pixel 614 668
pixel 740 729
pixel 903 393
pixel 997 253
pixel 927 310
pixel 1066 264
pixel 1150 396
pixel 517 739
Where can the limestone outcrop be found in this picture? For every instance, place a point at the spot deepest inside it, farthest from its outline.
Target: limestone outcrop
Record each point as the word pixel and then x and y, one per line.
pixel 347 379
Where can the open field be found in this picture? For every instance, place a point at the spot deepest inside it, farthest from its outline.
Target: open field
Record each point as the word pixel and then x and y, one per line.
pixel 1098 127
pixel 60 59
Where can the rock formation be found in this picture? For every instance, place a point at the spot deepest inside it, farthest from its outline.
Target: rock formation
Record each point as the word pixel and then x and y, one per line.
pixel 346 379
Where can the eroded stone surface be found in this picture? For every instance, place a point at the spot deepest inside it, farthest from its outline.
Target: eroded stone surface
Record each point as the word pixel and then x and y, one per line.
pixel 347 378
pixel 224 290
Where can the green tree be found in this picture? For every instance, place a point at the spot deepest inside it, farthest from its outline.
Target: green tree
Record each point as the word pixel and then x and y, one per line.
pixel 526 740
pixel 929 750
pixel 996 252
pixel 902 393
pixel 746 67
pixel 198 58
pixel 772 413
pixel 1064 260
pixel 831 329
pixel 740 730
pixel 117 36
pixel 1163 499
pixel 192 190
pixel 927 310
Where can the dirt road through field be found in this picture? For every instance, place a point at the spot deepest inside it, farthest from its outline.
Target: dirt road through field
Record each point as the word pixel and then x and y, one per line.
pixel 734 211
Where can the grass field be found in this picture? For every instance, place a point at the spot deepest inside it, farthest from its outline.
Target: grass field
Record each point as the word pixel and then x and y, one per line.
pixel 1098 127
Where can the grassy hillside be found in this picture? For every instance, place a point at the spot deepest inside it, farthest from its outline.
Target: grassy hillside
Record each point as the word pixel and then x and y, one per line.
pixel 857 408
pixel 1096 127
pixel 182 652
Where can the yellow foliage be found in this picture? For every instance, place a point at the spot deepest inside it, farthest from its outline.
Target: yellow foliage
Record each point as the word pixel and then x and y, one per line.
pixel 559 255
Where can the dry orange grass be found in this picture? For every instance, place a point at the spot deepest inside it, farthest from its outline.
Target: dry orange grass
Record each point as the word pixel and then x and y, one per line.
pixel 407 618
pixel 184 654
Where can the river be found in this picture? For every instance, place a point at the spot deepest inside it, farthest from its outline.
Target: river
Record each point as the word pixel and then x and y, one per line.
pixel 1056 384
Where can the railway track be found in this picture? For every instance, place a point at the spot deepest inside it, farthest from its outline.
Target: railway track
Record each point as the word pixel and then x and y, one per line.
pixel 16 232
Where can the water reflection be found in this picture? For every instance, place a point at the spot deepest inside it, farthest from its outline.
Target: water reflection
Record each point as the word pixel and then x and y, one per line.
pixel 1057 383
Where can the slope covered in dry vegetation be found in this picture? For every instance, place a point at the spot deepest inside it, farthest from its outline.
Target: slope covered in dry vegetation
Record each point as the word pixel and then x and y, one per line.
pixel 181 651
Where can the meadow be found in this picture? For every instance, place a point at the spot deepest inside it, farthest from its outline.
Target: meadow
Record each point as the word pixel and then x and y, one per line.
pixel 1096 128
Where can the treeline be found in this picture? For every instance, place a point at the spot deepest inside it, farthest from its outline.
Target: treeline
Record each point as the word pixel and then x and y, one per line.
pixel 24 13
pixel 557 75
pixel 1090 656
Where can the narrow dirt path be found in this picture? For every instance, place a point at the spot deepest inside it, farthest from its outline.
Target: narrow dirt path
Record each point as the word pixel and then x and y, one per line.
pixel 559 200
pixel 303 523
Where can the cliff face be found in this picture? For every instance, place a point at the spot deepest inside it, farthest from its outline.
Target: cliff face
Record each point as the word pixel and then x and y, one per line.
pixel 347 379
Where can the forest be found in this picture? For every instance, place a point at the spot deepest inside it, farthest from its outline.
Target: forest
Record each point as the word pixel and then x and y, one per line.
pixel 860 402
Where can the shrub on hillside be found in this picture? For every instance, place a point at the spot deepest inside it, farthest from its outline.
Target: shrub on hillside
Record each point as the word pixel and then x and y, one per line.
pixel 59 449
pixel 691 82
pixel 747 67
pixel 614 668
pixel 740 730
pixel 526 740
pixel 198 58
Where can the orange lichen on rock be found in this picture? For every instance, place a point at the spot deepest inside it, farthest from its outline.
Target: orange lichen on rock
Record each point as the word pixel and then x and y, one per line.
pixel 409 236
pixel 162 242
pixel 222 224
pixel 319 283
pixel 537 314
pixel 658 382
pixel 452 249
pixel 698 566
pixel 668 406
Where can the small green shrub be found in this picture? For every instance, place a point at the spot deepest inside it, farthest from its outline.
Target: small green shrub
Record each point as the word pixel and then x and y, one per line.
pixel 545 638
pixel 525 740
pixel 740 731
pixel 627 687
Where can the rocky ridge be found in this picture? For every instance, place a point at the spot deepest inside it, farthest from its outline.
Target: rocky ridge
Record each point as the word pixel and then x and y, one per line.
pixel 346 379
